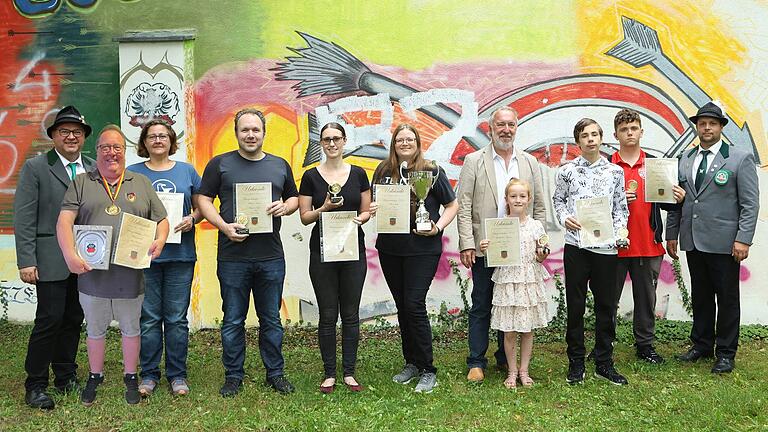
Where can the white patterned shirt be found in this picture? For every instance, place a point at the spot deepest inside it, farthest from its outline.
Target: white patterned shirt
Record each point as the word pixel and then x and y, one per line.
pixel 579 179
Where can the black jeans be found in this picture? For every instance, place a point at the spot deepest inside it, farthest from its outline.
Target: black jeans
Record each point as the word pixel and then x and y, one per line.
pixel 55 335
pixel 599 270
pixel 338 287
pixel 409 278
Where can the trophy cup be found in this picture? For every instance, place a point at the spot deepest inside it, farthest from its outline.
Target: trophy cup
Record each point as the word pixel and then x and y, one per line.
pixel 421 182
pixel 542 243
pixel 335 190
pixel 242 219
pixel 622 240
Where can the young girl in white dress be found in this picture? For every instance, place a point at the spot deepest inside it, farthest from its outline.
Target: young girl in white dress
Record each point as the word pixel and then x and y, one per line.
pixel 519 300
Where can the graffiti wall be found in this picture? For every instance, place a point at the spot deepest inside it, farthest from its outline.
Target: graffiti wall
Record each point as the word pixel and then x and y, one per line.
pixel 441 65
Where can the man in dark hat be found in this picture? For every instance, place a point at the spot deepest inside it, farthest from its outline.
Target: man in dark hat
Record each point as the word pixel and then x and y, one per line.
pixel 58 318
pixel 715 225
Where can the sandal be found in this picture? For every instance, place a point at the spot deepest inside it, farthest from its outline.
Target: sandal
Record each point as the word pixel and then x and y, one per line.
pixel 525 379
pixel 179 387
pixel 511 381
pixel 147 387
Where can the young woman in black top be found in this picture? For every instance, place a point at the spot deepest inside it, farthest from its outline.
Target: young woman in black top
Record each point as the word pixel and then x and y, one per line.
pixel 338 285
pixel 409 261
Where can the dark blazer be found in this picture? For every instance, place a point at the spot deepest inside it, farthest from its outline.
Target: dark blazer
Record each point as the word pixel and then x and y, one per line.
pixel 36 206
pixel 726 208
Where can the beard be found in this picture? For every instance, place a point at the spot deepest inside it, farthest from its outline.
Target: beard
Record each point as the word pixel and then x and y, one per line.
pixel 502 145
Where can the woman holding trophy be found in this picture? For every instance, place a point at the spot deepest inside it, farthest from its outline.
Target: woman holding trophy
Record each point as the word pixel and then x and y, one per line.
pixel 335 195
pixel 409 260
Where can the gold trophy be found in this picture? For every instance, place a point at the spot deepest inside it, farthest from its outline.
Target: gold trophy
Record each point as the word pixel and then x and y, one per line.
pixel 542 243
pixel 335 190
pixel 421 182
pixel 242 219
pixel 622 240
pixel 632 186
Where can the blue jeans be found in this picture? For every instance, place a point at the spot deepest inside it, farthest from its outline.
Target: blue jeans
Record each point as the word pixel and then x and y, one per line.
pixel 237 280
pixel 164 314
pixel 480 318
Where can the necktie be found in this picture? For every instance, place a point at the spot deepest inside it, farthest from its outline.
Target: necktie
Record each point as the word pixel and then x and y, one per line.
pixel 72 170
pixel 702 171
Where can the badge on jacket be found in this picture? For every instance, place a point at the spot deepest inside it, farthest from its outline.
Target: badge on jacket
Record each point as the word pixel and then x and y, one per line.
pixel 722 176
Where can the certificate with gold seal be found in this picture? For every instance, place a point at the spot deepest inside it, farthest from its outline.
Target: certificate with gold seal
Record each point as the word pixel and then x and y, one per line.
pixel 251 202
pixel 504 245
pixel 174 207
pixel 596 219
pixel 93 244
pixel 338 236
pixel 394 213
pixel 134 239
pixel 660 177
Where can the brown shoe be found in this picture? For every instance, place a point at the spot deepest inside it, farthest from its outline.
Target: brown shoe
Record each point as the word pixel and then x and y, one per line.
pixel 475 375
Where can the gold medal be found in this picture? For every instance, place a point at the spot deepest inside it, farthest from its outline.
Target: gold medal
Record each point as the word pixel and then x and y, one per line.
pixel 112 210
pixel 632 186
pixel 543 240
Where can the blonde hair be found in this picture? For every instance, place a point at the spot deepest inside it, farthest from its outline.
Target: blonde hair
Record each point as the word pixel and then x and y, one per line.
pixel 516 182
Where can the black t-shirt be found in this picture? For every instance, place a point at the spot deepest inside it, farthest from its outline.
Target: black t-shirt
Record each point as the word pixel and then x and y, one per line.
pixel 314 185
pixel 219 179
pixel 412 244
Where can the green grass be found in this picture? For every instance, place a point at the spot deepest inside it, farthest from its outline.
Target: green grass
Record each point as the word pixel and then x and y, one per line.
pixel 672 396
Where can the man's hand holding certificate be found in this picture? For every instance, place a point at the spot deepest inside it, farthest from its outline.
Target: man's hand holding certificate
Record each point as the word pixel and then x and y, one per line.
pixel 251 203
pixel 595 218
pixel 135 242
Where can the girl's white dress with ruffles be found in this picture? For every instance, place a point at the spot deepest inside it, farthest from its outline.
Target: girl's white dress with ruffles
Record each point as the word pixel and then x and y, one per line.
pixel 519 301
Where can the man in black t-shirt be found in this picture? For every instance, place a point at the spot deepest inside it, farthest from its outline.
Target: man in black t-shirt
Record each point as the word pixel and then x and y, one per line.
pixel 249 263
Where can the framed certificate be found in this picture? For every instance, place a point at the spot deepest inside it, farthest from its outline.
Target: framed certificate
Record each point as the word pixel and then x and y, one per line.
pixel 93 244
pixel 504 245
pixel 338 236
pixel 394 213
pixel 251 202
pixel 133 241
pixel 660 176
pixel 596 219
pixel 174 206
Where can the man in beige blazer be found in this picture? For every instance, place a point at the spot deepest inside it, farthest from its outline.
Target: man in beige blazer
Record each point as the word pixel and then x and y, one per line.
pixel 481 195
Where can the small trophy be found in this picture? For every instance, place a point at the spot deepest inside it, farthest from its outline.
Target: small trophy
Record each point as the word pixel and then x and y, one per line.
pixel 335 190
pixel 421 182
pixel 632 186
pixel 242 219
pixel 543 244
pixel 622 240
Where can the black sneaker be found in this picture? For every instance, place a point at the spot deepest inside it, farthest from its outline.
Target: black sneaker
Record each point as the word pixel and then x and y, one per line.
pixel 132 395
pixel 649 354
pixel 281 384
pixel 575 372
pixel 231 387
pixel 38 398
pixel 609 373
pixel 89 392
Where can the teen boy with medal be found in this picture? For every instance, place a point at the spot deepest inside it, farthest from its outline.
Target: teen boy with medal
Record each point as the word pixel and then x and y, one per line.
pixel 715 225
pixel 644 253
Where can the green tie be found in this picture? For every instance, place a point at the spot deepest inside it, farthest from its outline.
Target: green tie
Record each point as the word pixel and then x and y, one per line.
pixel 702 171
pixel 72 170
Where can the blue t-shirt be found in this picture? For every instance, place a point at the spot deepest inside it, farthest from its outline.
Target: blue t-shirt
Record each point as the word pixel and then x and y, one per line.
pixel 182 178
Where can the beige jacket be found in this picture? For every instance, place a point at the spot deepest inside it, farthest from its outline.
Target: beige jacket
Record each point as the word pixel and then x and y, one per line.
pixel 477 194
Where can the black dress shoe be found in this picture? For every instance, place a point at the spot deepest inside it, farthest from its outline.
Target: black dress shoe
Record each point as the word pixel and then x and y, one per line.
pixel 693 355
pixel 723 365
pixel 38 398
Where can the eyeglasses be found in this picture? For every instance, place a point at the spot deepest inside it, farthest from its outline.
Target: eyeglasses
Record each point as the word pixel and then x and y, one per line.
pixel 77 133
pixel 161 137
pixel 500 125
pixel 336 140
pixel 405 140
pixel 105 149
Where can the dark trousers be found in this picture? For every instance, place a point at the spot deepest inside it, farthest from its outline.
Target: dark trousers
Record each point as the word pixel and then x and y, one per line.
pixel 55 335
pixel 599 270
pixel 480 318
pixel 714 276
pixel 644 272
pixel 338 287
pixel 409 278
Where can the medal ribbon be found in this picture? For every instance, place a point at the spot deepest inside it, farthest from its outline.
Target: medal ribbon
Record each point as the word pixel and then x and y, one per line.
pixel 112 196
